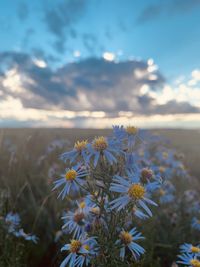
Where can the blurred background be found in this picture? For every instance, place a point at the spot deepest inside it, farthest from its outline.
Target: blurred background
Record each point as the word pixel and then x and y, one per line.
pixel 89 63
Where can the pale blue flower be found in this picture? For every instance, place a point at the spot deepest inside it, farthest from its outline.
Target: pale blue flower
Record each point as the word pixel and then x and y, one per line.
pixel 104 147
pixel 189 248
pixel 188 259
pixel 79 151
pixel 71 180
pixel 131 192
pixel 13 221
pixel 76 221
pixel 196 223
pixel 127 240
pixel 79 247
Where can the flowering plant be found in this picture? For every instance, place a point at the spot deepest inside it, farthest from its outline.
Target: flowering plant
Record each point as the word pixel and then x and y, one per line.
pixel 110 194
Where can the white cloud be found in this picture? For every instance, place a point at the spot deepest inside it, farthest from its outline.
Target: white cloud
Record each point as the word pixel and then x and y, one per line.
pixel 76 53
pixel 40 63
pixel 13 109
pixel 196 75
pixel 95 93
pixel 109 56
pixel 179 91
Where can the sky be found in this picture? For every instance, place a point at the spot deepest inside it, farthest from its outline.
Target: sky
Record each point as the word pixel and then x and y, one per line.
pixel 95 63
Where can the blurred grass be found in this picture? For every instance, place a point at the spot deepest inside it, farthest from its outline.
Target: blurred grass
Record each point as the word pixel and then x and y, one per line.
pixel 187 142
pixel 26 158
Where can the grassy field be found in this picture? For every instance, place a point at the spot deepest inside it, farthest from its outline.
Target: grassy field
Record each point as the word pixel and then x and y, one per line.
pixel 29 164
pixel 185 141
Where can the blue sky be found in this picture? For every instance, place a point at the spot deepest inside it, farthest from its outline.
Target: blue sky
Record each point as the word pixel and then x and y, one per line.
pixel 59 33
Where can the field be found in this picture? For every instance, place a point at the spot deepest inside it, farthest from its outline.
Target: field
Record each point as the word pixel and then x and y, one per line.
pixel 29 163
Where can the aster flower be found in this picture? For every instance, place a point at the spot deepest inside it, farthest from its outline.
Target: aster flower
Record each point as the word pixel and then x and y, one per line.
pixel 127 240
pixel 189 259
pixel 91 247
pixel 129 134
pixel 132 192
pixel 196 223
pixel 166 193
pixel 71 180
pixel 189 248
pixel 105 147
pixel 79 150
pixel 77 248
pixel 148 175
pixel 13 221
pixel 76 221
pixel 28 237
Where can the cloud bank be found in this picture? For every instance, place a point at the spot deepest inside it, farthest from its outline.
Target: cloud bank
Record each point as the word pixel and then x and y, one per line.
pixel 91 92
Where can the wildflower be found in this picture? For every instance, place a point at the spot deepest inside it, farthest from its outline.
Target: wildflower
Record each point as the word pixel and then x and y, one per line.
pixel 189 248
pixel 127 240
pixel 28 237
pixel 77 248
pixel 76 221
pixel 129 134
pixel 102 146
pixel 166 192
pixel 196 223
pixel 91 247
pixel 189 260
pixel 72 180
pixel 132 191
pixel 80 149
pixel 13 221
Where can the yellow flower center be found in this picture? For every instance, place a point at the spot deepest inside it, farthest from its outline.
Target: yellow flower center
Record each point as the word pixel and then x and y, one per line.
pixel 136 191
pixel 162 192
pixel 80 145
pixel 70 175
pixel 195 249
pixel 75 246
pixel 162 169
pixel 126 237
pixel 100 143
pixel 131 130
pixel 165 155
pixel 195 263
pixel 82 205
pixel 96 211
pixel 87 247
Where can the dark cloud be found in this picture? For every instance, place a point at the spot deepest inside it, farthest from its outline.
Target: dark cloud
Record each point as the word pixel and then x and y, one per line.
pixel 60 21
pixel 174 107
pixel 89 85
pixel 171 7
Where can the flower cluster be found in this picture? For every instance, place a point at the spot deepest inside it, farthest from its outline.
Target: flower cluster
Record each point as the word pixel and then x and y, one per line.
pixel 190 255
pixel 12 223
pixel 110 192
